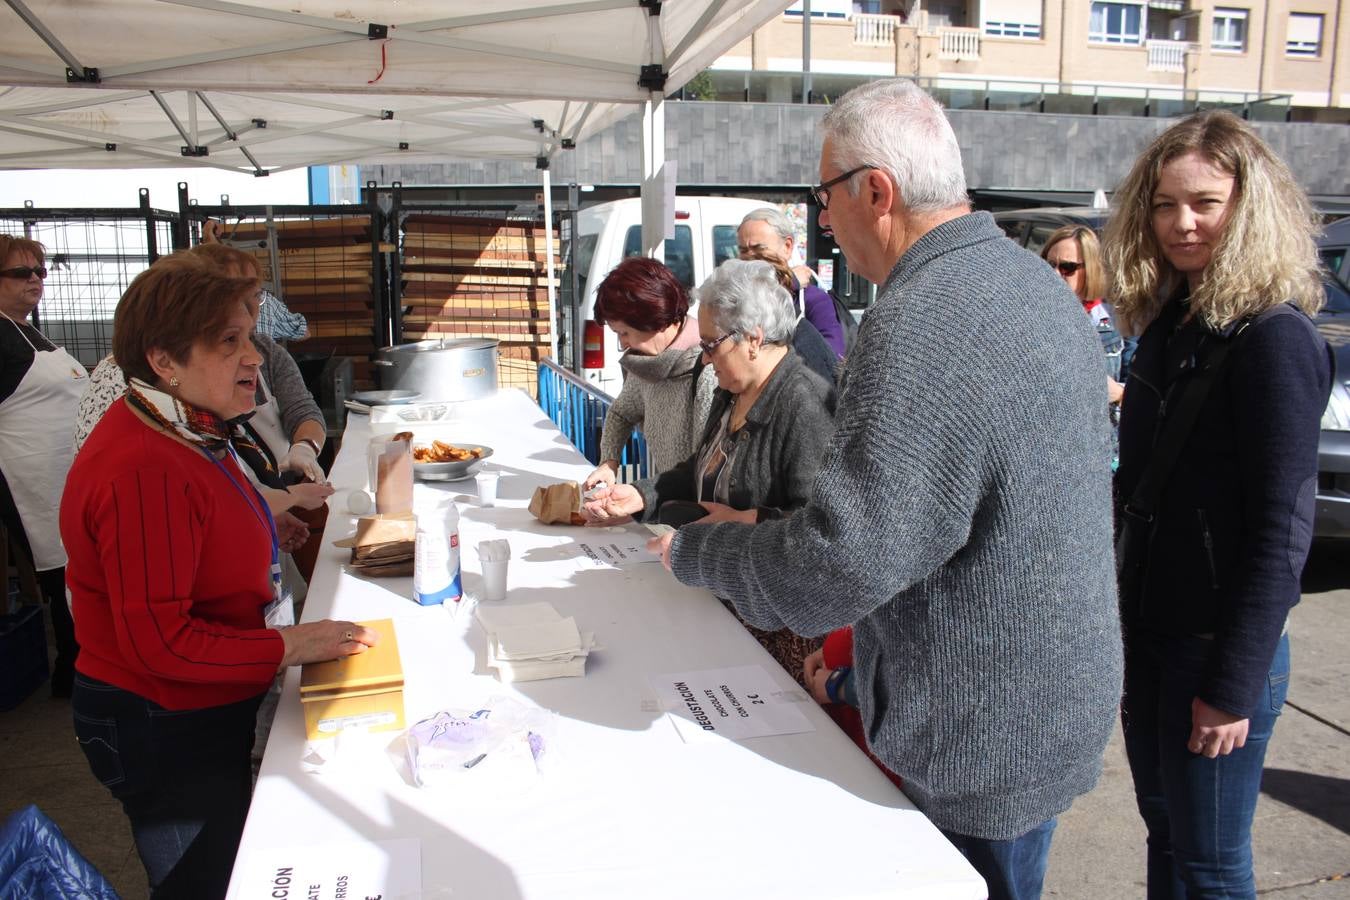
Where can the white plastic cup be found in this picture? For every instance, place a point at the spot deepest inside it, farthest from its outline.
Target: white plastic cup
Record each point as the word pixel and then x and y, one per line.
pixel 360 503
pixel 487 487
pixel 494 579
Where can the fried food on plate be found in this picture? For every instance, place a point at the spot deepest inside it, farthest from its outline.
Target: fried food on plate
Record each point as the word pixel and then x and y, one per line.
pixel 440 451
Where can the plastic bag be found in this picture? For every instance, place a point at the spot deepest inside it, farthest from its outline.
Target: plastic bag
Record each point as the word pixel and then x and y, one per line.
pixel 504 739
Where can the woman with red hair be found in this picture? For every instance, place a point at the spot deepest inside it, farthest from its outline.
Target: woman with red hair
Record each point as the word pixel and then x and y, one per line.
pixel 665 391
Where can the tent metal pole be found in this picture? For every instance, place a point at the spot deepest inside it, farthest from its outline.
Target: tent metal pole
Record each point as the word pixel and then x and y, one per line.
pixel 548 256
pixel 193 59
pixel 51 40
pixel 515 15
pixel 674 57
pixel 178 126
pixel 653 190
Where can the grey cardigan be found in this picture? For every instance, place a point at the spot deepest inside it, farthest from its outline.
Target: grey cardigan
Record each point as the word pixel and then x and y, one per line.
pixel 780 446
pixel 961 522
pixel 659 397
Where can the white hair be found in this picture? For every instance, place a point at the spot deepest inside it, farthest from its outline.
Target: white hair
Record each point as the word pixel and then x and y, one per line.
pixel 743 295
pixel 775 218
pixel 893 125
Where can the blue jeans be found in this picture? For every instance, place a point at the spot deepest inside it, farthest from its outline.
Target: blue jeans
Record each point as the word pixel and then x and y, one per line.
pixel 1198 811
pixel 184 778
pixel 1012 870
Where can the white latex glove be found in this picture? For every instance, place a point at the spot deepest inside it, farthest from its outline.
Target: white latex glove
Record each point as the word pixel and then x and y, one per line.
pixel 302 458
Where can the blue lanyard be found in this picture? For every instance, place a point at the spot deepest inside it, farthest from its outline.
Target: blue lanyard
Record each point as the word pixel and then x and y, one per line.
pixel 264 517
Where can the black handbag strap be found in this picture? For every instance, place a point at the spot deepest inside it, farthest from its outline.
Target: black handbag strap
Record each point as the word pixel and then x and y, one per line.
pixel 1175 429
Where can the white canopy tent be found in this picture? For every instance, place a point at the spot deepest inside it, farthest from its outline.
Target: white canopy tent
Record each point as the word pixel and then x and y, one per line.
pixel 268 85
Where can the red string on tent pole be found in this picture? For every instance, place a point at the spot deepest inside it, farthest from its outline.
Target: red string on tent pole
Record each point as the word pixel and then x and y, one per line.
pixel 383 61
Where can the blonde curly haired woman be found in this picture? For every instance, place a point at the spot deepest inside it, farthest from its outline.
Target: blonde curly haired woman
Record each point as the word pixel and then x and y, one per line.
pixel 1210 254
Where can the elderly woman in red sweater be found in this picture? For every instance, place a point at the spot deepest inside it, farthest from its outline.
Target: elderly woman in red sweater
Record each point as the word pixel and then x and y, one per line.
pixel 174 579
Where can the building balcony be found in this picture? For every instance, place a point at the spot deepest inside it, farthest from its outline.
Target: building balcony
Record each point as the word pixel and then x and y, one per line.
pixel 1169 56
pixel 875 30
pixel 958 43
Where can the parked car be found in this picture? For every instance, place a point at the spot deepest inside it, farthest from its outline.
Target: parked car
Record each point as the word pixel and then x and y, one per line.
pixel 1031 227
pixel 608 233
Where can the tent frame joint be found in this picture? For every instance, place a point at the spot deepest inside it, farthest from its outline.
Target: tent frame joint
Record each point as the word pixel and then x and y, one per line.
pixel 377 32
pixel 653 7
pixel 197 150
pixel 83 75
pixel 653 77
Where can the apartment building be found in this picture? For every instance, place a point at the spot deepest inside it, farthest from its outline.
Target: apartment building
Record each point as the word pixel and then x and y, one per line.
pixel 1290 56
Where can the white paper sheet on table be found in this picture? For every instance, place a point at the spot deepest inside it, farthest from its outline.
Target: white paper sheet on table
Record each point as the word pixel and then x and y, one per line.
pixel 609 550
pixel 736 703
pixel 386 869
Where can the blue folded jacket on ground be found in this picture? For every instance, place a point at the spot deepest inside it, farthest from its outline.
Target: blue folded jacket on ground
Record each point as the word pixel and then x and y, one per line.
pixel 38 863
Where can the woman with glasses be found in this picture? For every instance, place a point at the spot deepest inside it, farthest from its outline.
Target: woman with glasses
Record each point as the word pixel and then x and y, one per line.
pixel 766 434
pixel 40 388
pixel 1075 253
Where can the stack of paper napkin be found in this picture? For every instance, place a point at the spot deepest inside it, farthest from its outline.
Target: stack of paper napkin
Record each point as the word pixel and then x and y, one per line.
pixel 532 642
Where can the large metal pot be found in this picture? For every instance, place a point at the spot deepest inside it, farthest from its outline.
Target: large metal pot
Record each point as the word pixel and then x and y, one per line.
pixel 463 369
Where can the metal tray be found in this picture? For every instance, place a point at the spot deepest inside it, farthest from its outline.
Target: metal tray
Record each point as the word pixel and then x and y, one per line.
pixel 385 398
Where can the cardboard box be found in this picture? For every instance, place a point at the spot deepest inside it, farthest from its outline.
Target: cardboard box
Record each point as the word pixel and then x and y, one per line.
pixel 365 690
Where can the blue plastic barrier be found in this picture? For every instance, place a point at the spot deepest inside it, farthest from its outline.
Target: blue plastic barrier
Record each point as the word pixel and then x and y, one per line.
pixel 578 408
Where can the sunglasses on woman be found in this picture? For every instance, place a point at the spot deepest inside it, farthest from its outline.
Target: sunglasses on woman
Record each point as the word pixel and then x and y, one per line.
pixel 1067 268
pixel 24 272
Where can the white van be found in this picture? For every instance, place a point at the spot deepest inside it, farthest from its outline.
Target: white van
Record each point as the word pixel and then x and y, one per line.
pixel 608 233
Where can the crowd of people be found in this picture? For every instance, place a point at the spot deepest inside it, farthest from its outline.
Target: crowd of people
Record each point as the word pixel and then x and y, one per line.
pixel 920 520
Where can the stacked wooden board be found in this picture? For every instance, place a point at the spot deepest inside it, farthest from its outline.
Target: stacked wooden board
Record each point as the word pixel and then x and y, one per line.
pixel 470 276
pixel 326 275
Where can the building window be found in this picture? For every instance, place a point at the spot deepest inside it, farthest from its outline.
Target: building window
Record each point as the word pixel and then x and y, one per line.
pixel 1116 23
pixel 1012 18
pixel 1305 35
pixel 1230 30
pixel 867 7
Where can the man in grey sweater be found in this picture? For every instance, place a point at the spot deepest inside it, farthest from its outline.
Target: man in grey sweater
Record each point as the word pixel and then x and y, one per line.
pixel 961 520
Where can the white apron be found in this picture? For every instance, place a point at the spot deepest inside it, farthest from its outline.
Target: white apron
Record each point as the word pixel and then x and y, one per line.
pixel 37 444
pixel 267 422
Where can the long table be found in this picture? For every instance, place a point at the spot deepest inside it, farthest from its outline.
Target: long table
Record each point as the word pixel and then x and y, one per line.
pixel 628 809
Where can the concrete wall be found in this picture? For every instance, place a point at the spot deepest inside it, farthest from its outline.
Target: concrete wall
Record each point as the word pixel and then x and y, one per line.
pixel 775 144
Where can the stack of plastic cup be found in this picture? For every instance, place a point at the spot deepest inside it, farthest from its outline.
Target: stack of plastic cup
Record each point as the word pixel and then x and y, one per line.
pixel 494 556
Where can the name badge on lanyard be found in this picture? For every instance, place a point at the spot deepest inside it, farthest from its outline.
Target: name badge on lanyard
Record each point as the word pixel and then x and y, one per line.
pixel 280 611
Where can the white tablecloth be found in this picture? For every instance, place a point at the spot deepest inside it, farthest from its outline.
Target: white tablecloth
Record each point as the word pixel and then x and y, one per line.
pixel 629 810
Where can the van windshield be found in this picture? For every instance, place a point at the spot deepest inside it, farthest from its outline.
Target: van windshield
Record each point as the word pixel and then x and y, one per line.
pixel 679 251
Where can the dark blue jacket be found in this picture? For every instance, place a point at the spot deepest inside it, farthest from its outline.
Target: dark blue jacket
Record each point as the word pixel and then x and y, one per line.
pixel 1235 519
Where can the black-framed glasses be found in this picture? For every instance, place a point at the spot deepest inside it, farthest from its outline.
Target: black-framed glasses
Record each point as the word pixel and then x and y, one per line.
pixel 24 272
pixel 821 192
pixel 1067 269
pixel 709 347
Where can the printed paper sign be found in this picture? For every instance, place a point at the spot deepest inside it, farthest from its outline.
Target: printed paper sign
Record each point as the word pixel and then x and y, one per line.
pixel 383 869
pixel 608 550
pixel 736 703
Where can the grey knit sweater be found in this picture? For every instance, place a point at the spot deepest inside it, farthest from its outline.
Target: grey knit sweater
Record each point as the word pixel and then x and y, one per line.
pixel 961 522
pixel 658 397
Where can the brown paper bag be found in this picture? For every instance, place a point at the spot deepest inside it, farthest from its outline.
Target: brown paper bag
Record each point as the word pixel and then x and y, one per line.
pixel 557 504
pixel 392 474
pixel 382 545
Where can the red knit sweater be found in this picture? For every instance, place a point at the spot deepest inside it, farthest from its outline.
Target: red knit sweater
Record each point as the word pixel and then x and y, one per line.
pixel 169 569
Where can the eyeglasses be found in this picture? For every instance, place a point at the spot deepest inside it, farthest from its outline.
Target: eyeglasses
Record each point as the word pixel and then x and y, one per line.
pixel 1067 269
pixel 24 272
pixel 709 347
pixel 821 192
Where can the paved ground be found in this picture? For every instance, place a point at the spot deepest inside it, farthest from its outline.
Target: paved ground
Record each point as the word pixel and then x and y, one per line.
pixel 1302 832
pixel 1302 835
